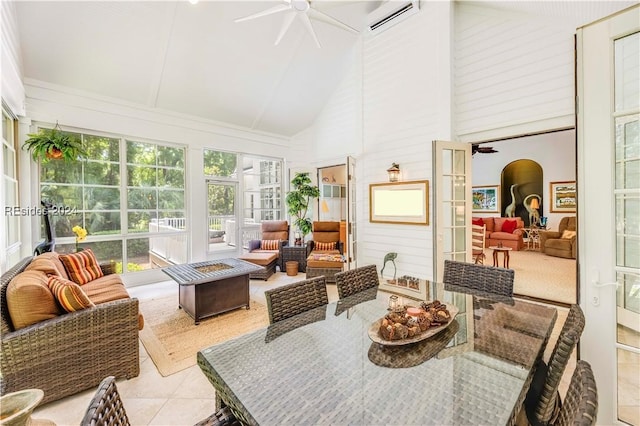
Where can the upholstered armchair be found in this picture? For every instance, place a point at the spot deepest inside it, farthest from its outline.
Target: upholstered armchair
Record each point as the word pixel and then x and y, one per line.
pixel 275 234
pixel 325 233
pixel 561 243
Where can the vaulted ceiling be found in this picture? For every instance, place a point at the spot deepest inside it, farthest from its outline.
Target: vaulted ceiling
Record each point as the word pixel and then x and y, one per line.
pixel 195 60
pixel 192 59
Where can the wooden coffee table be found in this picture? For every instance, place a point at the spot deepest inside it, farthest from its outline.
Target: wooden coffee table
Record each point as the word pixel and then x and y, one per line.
pixel 212 287
pixel 505 255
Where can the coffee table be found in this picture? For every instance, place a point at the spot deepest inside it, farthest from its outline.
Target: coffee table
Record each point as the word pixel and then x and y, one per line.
pixel 212 287
pixel 505 255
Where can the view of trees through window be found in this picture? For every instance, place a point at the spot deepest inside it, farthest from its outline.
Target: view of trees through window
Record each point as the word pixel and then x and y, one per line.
pixel 121 202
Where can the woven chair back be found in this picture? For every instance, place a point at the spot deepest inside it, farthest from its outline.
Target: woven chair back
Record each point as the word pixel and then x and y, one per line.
pixel 479 277
pixel 580 406
pixel 546 406
pixel 356 280
pixel 106 408
pixel 293 299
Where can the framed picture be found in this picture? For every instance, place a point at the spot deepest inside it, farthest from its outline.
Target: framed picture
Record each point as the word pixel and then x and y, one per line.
pixel 563 197
pixel 399 202
pixel 486 199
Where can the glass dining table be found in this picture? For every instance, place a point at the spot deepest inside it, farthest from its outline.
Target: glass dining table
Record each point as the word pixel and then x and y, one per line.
pixel 321 367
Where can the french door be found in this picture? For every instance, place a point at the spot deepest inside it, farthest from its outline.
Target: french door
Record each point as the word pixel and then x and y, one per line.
pixel 352 246
pixel 223 227
pixel 451 203
pixel 608 53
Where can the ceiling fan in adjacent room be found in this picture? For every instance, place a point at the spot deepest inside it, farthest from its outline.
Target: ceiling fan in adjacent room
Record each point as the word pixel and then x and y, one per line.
pixel 303 10
pixel 481 149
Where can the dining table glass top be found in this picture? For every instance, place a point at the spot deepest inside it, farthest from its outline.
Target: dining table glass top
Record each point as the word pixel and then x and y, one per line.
pixel 321 367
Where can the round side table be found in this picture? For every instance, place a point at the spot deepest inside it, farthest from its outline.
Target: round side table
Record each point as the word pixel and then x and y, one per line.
pixel 505 255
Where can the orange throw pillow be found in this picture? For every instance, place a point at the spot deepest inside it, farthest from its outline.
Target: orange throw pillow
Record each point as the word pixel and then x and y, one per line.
pixel 68 294
pixel 324 246
pixel 509 226
pixel 82 267
pixel 269 244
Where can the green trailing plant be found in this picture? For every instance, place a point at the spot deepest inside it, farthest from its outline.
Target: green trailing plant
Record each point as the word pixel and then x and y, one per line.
pixel 49 144
pixel 298 200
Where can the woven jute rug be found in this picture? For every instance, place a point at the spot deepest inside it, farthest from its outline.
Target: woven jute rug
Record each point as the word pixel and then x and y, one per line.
pixel 172 340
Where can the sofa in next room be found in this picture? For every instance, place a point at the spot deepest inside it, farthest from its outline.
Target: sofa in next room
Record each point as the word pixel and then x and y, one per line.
pixel 506 230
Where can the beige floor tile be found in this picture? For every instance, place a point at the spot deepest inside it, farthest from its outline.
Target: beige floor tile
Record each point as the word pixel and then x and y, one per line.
pixel 195 385
pixel 181 411
pixel 67 411
pixel 141 411
pixel 150 384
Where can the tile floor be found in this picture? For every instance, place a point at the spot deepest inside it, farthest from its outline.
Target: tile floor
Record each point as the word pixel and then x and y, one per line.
pixel 183 398
pixel 186 397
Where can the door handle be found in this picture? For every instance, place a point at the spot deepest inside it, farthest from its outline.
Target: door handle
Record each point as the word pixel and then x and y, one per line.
pixel 597 285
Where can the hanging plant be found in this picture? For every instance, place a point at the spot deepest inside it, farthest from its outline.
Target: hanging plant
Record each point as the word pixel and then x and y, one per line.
pixel 53 144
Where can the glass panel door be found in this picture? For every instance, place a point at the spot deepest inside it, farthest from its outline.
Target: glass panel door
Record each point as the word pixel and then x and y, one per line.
pixel 626 117
pixel 452 203
pixel 222 226
pixel 608 113
pixel 352 254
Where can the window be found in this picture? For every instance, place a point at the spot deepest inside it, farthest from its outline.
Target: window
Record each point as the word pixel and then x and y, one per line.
pixel 122 201
pixel 9 189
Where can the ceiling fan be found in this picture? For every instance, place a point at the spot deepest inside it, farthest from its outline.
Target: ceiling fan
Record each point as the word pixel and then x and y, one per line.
pixel 481 149
pixel 303 10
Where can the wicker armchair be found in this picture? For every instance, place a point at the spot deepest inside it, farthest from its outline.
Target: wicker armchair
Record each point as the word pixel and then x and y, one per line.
pixel 580 406
pixel 479 277
pixel 293 299
pixel 356 280
pixel 272 230
pixel 106 407
pixel 542 403
pixel 325 232
pixel 69 353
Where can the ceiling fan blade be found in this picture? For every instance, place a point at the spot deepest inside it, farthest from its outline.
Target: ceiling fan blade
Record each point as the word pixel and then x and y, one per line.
pixel 270 11
pixel 307 23
pixel 321 16
pixel 286 23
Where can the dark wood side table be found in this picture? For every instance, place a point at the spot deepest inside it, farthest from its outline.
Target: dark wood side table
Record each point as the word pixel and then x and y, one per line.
pixel 505 255
pixel 295 253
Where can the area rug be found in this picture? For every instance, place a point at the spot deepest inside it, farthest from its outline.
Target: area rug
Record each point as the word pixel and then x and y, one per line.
pixel 172 340
pixel 543 277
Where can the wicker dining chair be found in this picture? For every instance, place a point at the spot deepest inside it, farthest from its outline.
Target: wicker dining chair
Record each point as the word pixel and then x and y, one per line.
pixel 356 280
pixel 542 403
pixel 106 408
pixel 479 277
pixel 293 299
pixel 580 406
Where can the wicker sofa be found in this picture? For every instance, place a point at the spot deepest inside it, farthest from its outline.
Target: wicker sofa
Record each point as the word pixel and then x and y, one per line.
pixel 68 352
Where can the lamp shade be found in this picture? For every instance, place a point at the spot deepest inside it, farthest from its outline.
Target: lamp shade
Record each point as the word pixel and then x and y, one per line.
pixel 535 204
pixel 324 206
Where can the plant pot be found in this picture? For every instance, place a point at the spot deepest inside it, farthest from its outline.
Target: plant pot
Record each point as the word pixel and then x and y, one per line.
pixel 54 154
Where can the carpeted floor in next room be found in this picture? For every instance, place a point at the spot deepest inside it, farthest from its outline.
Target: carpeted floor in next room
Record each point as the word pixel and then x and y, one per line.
pixel 185 397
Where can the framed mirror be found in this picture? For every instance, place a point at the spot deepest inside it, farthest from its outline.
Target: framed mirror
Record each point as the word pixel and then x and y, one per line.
pixel 399 202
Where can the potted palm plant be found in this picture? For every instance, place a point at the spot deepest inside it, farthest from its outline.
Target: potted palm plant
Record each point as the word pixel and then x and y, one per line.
pixel 298 200
pixel 50 144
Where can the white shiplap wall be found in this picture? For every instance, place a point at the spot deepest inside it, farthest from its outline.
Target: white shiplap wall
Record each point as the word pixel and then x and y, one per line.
pixel 404 110
pixel 514 73
pixel 11 61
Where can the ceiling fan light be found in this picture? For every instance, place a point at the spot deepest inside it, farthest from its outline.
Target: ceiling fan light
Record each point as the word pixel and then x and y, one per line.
pixel 300 5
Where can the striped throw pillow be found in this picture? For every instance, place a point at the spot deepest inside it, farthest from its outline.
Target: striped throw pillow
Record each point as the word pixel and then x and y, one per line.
pixel 81 267
pixel 269 244
pixel 324 246
pixel 68 294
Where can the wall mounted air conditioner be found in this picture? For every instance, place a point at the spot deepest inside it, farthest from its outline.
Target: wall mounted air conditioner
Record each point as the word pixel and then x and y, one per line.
pixel 390 13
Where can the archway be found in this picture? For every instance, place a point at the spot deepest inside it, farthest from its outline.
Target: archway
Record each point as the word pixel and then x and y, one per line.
pixel 521 182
